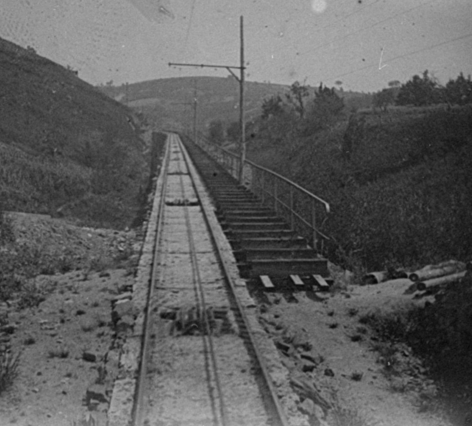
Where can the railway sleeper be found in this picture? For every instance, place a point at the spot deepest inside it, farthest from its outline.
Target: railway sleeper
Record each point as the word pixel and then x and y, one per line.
pixel 190 321
pixel 182 202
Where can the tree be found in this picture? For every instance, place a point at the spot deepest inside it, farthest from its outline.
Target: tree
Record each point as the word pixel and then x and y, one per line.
pixel 297 96
pixel 325 109
pixel 459 91
pixel 272 106
pixel 233 131
pixel 419 91
pixel 216 132
pixel 383 99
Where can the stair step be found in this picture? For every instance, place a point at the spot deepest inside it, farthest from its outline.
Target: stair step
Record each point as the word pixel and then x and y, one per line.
pixel 243 234
pixel 270 243
pixel 249 226
pixel 279 253
pixel 250 214
pixel 285 267
pixel 251 219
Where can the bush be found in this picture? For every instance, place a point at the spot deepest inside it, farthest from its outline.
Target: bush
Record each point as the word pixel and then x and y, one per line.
pixel 400 198
pixel 8 369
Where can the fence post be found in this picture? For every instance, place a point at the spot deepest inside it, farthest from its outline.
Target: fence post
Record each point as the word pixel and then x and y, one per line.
pixel 313 223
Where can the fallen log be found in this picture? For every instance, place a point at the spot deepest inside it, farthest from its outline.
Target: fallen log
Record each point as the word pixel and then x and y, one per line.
pixel 435 272
pixel 375 277
pixel 441 280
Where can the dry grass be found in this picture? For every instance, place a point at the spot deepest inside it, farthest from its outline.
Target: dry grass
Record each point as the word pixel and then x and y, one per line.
pixel 341 414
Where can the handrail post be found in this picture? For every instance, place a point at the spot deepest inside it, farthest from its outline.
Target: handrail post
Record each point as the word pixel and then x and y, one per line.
pixel 313 223
pixel 262 187
pixel 275 196
pixel 292 218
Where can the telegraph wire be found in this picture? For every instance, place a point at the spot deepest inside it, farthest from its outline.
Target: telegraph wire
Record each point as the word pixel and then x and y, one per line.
pixel 407 54
pixel 365 29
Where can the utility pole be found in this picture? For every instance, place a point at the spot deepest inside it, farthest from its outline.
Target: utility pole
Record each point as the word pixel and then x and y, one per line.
pixel 195 111
pixel 188 104
pixel 240 79
pixel 242 146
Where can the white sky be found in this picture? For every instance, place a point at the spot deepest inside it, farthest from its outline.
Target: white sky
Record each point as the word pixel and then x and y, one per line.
pixel 363 43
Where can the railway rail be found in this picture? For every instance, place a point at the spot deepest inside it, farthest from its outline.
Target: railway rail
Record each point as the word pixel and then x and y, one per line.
pixel 200 364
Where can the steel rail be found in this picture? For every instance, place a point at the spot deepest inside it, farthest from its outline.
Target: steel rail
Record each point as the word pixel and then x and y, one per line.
pixel 279 411
pixel 139 394
pixel 206 335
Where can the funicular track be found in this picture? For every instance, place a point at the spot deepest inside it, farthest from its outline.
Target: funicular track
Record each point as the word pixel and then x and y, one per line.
pixel 200 364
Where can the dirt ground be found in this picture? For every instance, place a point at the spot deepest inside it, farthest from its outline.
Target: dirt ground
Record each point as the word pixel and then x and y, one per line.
pixel 65 342
pixel 343 370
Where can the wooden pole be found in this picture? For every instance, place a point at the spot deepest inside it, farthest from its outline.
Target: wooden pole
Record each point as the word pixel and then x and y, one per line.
pixel 195 114
pixel 241 107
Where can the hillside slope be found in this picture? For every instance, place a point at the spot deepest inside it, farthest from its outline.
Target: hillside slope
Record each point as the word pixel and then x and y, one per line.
pixel 65 147
pixel 400 196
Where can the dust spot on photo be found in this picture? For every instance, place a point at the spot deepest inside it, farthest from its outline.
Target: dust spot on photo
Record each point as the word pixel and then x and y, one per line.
pixel 154 10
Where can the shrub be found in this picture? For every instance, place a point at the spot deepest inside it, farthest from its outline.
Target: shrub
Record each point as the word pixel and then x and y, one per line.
pixel 6 229
pixel 8 369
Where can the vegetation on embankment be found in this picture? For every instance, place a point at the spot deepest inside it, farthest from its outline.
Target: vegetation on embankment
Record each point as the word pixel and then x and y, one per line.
pixel 65 148
pixel 399 183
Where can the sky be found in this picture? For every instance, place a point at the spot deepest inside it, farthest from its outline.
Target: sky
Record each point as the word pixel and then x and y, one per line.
pixel 364 44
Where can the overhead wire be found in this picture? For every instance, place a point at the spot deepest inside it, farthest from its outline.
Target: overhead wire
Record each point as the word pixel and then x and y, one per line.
pixel 366 28
pixel 464 36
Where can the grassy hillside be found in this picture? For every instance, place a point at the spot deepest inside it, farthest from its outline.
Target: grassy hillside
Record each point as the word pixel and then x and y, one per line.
pixel 403 194
pixel 65 148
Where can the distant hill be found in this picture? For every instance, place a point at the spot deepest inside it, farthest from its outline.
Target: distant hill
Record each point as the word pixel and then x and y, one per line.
pixel 65 147
pixel 170 100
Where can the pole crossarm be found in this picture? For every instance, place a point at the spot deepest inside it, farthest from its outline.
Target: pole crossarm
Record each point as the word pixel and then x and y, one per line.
pixel 228 67
pixel 240 80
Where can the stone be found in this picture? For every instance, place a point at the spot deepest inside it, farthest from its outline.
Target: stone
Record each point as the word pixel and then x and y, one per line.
pixel 307 366
pixel 308 356
pixel 122 308
pixel 308 407
pixel 125 323
pixel 123 296
pixel 9 329
pixel 96 393
pixel 328 372
pixel 89 356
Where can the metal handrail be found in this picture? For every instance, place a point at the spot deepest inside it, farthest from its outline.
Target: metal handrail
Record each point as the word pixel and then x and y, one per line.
pixel 301 208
